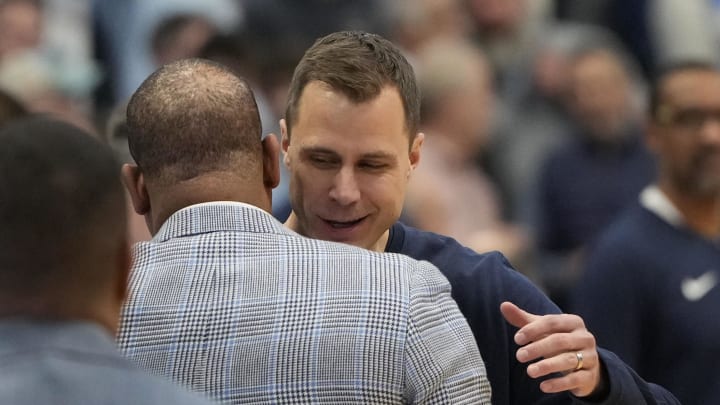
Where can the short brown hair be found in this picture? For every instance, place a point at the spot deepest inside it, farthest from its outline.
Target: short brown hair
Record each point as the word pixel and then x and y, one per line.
pixel 191 117
pixel 359 65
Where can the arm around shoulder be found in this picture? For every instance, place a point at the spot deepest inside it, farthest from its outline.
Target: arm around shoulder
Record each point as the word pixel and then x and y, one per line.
pixel 442 361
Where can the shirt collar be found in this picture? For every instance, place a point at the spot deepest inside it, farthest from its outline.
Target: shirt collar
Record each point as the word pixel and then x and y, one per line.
pixel 218 216
pixel 655 201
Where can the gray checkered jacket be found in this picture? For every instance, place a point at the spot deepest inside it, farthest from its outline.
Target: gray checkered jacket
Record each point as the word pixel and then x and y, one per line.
pixel 227 301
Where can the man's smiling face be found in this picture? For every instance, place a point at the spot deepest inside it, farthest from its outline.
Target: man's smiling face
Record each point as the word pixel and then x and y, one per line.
pixel 349 164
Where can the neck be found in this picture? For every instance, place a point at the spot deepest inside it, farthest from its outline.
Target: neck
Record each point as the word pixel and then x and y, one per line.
pixel 165 201
pixel 701 213
pixel 382 242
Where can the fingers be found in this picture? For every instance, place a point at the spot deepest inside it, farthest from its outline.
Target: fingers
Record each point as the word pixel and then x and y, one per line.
pixel 562 363
pixel 580 383
pixel 516 316
pixel 547 325
pixel 552 342
pixel 558 343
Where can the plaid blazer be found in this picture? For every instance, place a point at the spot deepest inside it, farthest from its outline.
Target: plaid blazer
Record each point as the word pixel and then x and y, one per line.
pixel 227 301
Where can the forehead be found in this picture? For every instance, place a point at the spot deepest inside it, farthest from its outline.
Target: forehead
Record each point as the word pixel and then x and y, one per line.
pixel 692 88
pixel 325 115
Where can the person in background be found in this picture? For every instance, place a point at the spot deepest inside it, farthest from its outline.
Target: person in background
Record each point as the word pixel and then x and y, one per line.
pixel 181 36
pixel 585 183
pixel 64 263
pixel 650 288
pixel 351 141
pixel 449 193
pixel 21 26
pixel 228 302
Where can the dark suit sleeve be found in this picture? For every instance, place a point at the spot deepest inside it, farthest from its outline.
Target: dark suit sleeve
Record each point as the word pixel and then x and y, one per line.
pixel 612 307
pixel 626 387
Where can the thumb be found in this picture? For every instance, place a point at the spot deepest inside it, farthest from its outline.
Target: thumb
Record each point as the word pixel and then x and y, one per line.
pixel 516 316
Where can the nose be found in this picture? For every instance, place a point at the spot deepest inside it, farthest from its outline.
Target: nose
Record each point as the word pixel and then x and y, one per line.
pixel 345 190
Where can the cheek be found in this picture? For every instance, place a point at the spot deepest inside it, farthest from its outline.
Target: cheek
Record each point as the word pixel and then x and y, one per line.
pixel 678 153
pixel 388 193
pixel 308 185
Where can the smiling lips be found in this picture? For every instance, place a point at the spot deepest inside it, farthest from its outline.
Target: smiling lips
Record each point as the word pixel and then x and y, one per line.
pixel 343 224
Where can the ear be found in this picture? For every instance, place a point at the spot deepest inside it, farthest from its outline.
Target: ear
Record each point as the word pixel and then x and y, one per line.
pixel 134 182
pixel 271 163
pixel 415 150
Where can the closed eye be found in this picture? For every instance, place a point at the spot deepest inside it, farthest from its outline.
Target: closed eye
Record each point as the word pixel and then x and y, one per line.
pixel 372 165
pixel 322 161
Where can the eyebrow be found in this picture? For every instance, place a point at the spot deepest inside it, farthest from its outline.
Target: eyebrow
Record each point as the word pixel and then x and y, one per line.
pixel 381 155
pixel 316 149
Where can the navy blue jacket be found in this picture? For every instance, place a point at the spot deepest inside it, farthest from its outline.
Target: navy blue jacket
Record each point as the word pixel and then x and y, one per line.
pixel 480 283
pixel 651 293
pixel 585 184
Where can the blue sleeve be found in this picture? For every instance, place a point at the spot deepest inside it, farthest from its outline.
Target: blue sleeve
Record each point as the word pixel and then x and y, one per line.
pixel 626 387
pixel 611 306
pixel 480 283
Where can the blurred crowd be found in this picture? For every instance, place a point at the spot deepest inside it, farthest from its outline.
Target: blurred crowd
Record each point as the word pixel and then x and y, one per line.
pixel 533 110
pixel 513 93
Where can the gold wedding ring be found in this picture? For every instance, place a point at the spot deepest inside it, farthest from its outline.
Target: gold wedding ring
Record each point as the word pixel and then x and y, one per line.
pixel 579 366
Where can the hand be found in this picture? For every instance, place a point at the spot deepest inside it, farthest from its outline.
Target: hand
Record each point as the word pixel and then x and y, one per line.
pixel 555 340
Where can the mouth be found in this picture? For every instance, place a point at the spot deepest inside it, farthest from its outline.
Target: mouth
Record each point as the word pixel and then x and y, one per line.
pixel 343 224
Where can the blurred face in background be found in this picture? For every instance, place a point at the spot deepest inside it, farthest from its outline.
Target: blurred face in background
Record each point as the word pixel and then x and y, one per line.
pixel 20 26
pixel 685 132
pixel 349 164
pixel 468 111
pixel 497 17
pixel 458 96
pixel 600 95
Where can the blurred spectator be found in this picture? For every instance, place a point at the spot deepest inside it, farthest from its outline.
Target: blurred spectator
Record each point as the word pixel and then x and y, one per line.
pixel 526 131
pixel 656 32
pixel 21 25
pixel 651 287
pixel 448 193
pixel 508 31
pixel 123 31
pixel 44 87
pixel 44 58
pixel 414 23
pixel 180 36
pixel 584 184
